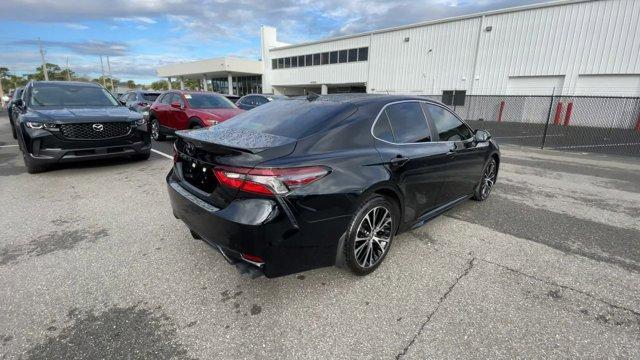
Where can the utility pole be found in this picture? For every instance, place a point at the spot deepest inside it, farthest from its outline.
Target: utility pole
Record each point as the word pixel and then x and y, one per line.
pixel 44 63
pixel 68 71
pixel 102 67
pixel 110 75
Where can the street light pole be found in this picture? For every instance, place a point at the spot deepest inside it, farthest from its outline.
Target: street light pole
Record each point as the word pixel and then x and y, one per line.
pixel 102 67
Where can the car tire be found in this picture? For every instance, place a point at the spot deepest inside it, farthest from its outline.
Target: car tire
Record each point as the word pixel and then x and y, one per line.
pixel 142 156
pixel 155 131
pixel 488 180
pixel 31 167
pixel 364 251
pixel 13 131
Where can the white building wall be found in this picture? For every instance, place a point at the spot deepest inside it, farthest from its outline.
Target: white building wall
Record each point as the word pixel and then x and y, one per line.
pixel 345 73
pixel 565 40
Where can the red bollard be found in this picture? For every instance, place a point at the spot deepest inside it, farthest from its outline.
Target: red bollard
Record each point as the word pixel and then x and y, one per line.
pixel 502 103
pixel 567 116
pixel 556 119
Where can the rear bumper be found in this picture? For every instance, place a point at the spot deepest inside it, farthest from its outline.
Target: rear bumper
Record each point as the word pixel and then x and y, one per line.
pixel 259 227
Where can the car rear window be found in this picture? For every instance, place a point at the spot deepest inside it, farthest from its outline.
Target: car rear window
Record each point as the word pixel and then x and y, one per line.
pixel 293 119
pixel 150 96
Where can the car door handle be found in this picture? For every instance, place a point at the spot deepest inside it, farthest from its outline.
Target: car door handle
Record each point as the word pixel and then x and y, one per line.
pixel 398 161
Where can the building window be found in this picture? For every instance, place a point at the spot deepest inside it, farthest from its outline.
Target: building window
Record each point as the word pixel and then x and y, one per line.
pixel 363 54
pixel 353 55
pixel 324 58
pixel 333 57
pixel 342 56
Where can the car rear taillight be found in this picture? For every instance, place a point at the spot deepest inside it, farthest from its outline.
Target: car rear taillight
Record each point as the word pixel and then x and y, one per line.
pixel 269 181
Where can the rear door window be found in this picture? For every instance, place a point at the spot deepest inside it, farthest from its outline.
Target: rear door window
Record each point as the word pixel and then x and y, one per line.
pixel 407 123
pixel 448 126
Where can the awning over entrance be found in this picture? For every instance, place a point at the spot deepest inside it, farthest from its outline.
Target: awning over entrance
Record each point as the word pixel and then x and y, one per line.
pixel 227 75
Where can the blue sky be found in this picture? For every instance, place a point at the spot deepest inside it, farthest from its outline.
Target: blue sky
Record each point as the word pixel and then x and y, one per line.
pixel 140 35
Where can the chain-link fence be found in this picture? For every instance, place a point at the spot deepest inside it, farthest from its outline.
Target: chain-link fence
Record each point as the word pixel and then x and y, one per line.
pixel 576 123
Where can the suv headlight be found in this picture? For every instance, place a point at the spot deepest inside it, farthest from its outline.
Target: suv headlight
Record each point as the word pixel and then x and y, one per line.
pixel 34 125
pixel 141 122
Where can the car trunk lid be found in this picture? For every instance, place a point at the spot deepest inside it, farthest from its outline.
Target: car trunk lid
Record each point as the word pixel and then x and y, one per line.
pixel 200 151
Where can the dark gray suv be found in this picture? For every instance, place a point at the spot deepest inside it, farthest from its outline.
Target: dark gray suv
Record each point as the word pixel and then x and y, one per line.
pixel 139 100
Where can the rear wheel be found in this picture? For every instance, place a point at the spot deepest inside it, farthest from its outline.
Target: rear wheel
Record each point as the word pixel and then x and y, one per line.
pixel 484 187
pixel 370 234
pixel 155 131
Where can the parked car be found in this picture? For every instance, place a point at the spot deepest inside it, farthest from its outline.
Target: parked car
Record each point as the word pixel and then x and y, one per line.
pixel 139 100
pixel 180 110
pixel 64 121
pixel 232 98
pixel 251 101
pixel 12 110
pixel 300 184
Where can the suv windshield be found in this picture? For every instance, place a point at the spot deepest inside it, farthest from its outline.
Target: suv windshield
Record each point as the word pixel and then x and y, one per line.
pixel 70 95
pixel 208 101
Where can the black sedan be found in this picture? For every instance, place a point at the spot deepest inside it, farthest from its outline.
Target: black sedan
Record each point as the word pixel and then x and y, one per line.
pixel 61 121
pixel 306 183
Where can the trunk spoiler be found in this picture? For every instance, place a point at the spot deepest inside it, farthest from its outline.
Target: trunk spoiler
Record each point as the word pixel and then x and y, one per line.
pixel 243 140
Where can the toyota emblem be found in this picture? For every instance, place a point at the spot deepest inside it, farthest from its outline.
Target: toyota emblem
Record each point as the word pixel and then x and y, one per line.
pixel 190 149
pixel 98 127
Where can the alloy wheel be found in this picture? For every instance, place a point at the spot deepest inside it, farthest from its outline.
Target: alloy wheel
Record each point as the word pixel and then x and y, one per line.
pixel 155 131
pixel 373 236
pixel 488 179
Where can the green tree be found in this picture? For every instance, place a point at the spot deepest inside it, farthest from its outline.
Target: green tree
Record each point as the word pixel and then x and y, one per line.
pixel 131 84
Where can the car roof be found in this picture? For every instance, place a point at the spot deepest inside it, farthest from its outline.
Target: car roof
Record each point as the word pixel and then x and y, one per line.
pixel 65 83
pixel 367 99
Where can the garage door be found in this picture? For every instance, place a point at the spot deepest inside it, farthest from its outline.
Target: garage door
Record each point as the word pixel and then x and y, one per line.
pixel 534 85
pixel 608 85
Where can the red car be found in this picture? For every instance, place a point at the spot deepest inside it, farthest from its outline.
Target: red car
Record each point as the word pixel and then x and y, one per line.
pixel 180 110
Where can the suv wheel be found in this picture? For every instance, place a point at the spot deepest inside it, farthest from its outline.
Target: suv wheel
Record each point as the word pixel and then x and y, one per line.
pixel 484 187
pixel 155 131
pixel 31 167
pixel 370 235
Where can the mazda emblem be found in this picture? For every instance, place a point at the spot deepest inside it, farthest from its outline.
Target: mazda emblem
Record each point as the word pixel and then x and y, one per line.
pixel 190 149
pixel 98 127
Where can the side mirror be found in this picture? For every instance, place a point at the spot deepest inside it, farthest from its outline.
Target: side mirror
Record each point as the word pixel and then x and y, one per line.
pixel 176 105
pixel 19 103
pixel 482 136
pixel 123 102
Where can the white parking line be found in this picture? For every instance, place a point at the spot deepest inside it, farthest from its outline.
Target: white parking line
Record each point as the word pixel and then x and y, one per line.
pixel 12 145
pixel 162 154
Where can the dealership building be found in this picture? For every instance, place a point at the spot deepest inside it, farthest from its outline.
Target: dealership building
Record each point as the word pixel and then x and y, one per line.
pixel 570 47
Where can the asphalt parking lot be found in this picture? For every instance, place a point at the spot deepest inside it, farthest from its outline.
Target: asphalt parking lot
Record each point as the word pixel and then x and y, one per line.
pixel 93 265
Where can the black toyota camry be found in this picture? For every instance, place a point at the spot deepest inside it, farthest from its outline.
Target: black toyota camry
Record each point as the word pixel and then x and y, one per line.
pixel 312 182
pixel 61 121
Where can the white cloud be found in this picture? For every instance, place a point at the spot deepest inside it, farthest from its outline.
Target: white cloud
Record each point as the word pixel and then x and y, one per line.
pixel 76 26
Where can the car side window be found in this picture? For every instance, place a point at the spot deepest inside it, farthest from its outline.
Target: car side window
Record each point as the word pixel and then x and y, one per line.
pixel 449 127
pixel 407 123
pixel 260 100
pixel 131 97
pixel 382 128
pixel 167 98
pixel 177 98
